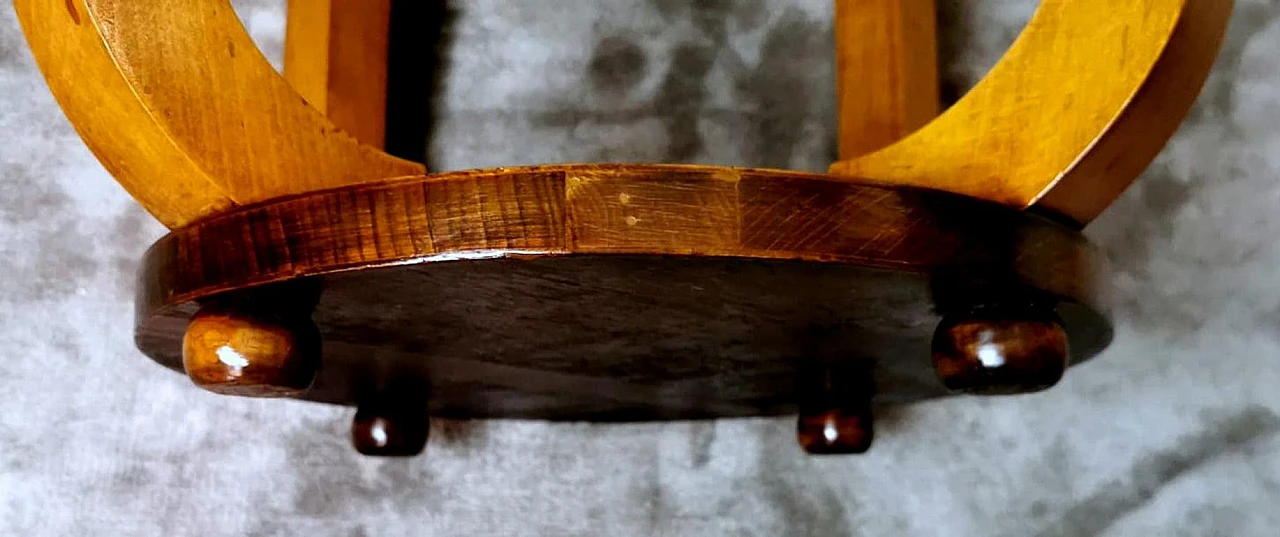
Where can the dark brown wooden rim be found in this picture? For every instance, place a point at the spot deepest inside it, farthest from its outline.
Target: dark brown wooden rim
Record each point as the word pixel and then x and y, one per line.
pixel 618 209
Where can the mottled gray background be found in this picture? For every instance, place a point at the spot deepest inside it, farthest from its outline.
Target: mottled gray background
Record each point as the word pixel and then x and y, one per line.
pixel 1173 431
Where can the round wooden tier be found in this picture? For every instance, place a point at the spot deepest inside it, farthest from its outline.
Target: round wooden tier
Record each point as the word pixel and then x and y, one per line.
pixel 620 292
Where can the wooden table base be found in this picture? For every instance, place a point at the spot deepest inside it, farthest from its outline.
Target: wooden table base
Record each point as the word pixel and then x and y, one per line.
pixel 619 293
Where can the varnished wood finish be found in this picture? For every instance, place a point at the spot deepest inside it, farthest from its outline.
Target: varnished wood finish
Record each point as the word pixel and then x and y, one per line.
pixel 335 56
pixel 251 352
pixel 389 430
pixel 1076 109
pixel 180 106
pixel 835 408
pixel 842 430
pixel 1001 349
pixel 621 292
pixel 886 71
pixel 615 209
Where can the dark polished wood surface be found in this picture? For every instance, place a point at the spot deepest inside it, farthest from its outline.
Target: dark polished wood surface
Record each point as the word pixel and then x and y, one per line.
pixel 625 292
pixel 1000 349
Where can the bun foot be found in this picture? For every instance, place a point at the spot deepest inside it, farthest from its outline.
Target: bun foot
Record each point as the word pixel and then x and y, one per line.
pixel 384 432
pixel 994 350
pixel 240 351
pixel 835 411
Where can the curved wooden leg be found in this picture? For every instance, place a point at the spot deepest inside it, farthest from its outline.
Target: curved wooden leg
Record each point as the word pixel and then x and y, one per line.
pixel 1061 128
pixel 176 101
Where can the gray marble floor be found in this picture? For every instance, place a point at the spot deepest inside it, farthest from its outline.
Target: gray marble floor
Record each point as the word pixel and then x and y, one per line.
pixel 1174 431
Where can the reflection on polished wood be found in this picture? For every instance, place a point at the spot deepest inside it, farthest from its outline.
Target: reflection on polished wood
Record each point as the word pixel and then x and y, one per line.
pixel 834 403
pixel 1001 350
pixel 249 353
pixel 389 431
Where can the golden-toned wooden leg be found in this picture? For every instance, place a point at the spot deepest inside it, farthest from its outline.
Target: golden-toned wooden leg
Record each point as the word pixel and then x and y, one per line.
pixel 242 350
pixel 336 57
pixel 835 410
pixel 386 429
pixel 1077 108
pixel 176 101
pixel 886 71
pixel 1000 350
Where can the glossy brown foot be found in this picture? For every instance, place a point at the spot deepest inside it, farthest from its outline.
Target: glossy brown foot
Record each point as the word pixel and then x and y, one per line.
pixel 994 350
pixel 835 411
pixel 241 351
pixel 836 431
pixel 387 432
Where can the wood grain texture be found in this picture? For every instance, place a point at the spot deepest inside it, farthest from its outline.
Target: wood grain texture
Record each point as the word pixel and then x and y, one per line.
pixel 181 107
pixel 624 291
pixel 250 354
pixel 1077 108
pixel 886 71
pixel 613 209
pixel 335 56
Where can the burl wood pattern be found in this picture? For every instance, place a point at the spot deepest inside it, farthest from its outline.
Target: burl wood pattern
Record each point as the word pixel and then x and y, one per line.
pixel 1001 350
pixel 622 292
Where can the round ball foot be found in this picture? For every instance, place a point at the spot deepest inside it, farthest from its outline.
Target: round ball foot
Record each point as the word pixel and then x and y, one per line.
pixel 997 351
pixel 835 410
pixel 382 432
pixel 836 431
pixel 248 353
